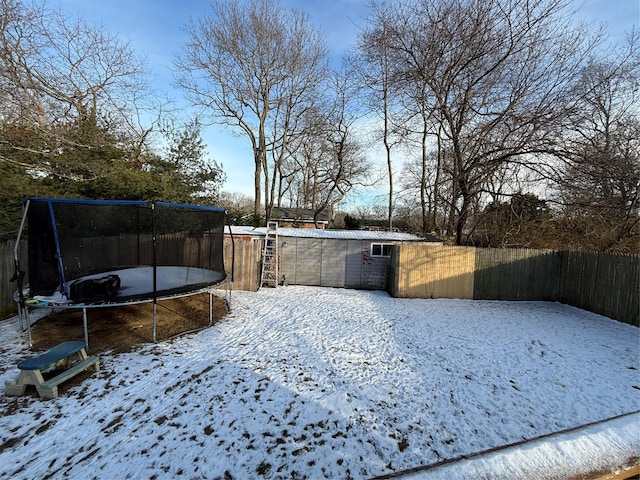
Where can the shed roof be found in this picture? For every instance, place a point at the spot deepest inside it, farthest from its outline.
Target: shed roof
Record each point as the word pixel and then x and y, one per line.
pixel 333 234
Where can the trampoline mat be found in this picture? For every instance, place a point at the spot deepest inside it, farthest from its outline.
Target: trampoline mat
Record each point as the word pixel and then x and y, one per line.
pixel 137 283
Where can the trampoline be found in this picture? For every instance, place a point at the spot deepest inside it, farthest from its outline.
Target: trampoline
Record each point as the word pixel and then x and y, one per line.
pixel 85 254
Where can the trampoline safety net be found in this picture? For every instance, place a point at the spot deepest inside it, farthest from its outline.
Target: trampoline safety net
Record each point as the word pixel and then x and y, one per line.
pixel 94 251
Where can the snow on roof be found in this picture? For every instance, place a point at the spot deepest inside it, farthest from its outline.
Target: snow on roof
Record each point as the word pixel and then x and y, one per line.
pixel 332 234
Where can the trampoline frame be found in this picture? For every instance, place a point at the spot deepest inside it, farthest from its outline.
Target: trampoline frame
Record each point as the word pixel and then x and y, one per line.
pixel 25 317
pixel 23 306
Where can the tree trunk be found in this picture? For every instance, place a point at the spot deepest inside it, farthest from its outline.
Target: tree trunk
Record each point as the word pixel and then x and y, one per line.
pixel 463 216
pixel 436 183
pixel 423 181
pixel 257 186
pixel 388 150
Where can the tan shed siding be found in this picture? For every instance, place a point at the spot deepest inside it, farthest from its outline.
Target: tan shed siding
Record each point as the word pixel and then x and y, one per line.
pixel 435 271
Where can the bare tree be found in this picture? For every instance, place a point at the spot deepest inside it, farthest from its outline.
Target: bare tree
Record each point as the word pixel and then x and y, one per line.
pixel 599 184
pixel 239 206
pixel 330 161
pixel 420 132
pixel 55 71
pixel 500 72
pixel 300 184
pixel 76 114
pixel 255 67
pixel 375 72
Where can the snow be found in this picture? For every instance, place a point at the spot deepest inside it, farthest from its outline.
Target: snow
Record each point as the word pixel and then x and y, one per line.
pixel 138 281
pixel 330 234
pixel 310 382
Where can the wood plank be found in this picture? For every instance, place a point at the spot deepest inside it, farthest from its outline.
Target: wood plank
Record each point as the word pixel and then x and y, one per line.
pixel 623 474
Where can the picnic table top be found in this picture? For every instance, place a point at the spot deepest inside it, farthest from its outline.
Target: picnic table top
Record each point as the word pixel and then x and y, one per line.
pixel 52 356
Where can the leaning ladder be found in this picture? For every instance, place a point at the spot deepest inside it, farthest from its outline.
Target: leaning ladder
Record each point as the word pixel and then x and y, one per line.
pixel 270 259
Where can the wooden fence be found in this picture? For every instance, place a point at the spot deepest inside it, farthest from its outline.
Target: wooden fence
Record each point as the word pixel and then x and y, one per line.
pixel 607 284
pixel 517 274
pixel 7 268
pixel 603 283
pixel 419 270
pixel 246 266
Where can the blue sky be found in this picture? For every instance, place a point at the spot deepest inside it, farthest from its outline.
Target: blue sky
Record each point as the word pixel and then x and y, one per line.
pixel 154 29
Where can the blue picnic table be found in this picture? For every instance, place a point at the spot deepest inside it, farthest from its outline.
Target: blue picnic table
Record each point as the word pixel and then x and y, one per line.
pixel 60 356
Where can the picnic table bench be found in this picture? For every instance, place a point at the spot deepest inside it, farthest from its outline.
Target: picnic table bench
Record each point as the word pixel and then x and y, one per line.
pixel 60 356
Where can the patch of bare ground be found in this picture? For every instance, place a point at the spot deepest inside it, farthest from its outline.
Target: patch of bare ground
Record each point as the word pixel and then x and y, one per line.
pixel 122 328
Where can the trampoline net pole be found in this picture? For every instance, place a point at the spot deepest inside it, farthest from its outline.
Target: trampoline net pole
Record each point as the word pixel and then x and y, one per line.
pixel 155 266
pixel 58 248
pixel 18 275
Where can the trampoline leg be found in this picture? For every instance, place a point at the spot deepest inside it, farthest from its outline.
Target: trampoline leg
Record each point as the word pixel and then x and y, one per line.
pixel 23 327
pixel 86 330
pixel 28 322
pixel 154 321
pixel 210 307
pixel 23 314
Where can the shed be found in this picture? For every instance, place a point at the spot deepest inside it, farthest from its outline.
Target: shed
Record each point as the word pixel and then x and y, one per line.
pixel 333 258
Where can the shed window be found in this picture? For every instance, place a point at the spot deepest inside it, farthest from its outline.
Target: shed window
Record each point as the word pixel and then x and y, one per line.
pixel 381 249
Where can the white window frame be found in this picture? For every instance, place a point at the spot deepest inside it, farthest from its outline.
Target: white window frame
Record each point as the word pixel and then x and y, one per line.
pixel 382 247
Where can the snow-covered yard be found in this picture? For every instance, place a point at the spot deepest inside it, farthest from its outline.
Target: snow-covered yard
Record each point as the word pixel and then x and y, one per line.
pixel 308 382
